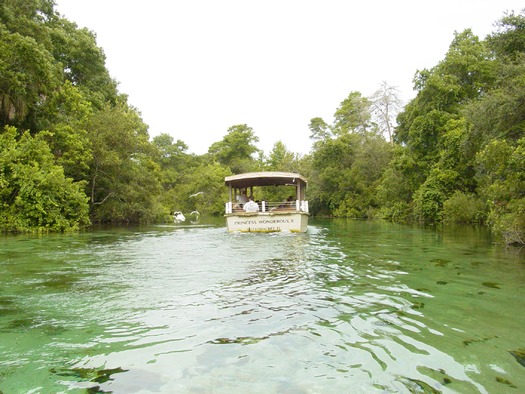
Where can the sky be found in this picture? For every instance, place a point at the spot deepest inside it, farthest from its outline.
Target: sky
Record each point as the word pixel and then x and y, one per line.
pixel 194 68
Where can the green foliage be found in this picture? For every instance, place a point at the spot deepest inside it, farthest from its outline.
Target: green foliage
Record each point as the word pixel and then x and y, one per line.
pixel 35 195
pixel 500 113
pixel 236 149
pixel 428 202
pixel 28 74
pixel 202 190
pixel 353 115
pixel 65 116
pixel 425 134
pixel 463 75
pixel 463 208
pixel 501 174
pixel 173 160
pixel 509 39
pixel 397 211
pixel 83 62
pixel 319 129
pixel 509 222
pixel 463 104
pixel 399 181
pixel 38 52
pixel 281 159
pixel 450 170
pixel 346 171
pixel 124 180
pixel 28 17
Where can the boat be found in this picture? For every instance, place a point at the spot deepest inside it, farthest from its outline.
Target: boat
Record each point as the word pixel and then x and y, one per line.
pixel 269 216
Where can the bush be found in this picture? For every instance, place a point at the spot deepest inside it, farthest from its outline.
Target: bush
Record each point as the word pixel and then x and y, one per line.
pixel 428 204
pixel 398 212
pixel 35 195
pixel 463 208
pixel 510 226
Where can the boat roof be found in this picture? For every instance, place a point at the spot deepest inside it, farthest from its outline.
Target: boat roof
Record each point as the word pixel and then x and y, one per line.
pixel 264 178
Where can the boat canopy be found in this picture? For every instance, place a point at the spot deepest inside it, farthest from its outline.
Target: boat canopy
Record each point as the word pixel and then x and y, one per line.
pixel 289 215
pixel 265 178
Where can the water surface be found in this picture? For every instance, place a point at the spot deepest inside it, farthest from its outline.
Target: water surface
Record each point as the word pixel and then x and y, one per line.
pixel 347 307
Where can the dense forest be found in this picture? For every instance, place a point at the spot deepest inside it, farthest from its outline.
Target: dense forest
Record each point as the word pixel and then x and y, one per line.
pixel 74 152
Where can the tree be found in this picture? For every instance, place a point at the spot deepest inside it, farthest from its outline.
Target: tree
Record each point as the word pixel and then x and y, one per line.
pixel 35 195
pixel 386 104
pixel 344 173
pixel 28 75
pixel 172 158
pixel 236 149
pixel 201 189
pixel 500 113
pixel 65 115
pixel 30 18
pixel 439 142
pixel 509 39
pixel 464 75
pixel 319 129
pixel 124 179
pixel 353 115
pixel 397 185
pixel 281 159
pixel 501 174
pixel 83 62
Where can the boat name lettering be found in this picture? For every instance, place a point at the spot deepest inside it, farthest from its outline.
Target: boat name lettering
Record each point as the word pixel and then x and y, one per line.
pixel 263 221
pixel 272 221
pixel 245 222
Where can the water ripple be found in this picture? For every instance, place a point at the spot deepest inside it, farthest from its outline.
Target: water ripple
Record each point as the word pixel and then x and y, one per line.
pixel 200 310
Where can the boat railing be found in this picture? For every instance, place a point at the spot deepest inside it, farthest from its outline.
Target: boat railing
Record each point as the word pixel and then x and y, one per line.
pixel 269 206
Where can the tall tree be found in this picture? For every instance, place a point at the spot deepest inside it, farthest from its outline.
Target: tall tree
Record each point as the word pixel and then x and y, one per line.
pixel 432 126
pixel 83 63
pixel 353 115
pixel 319 129
pixel 386 104
pixel 501 174
pixel 28 75
pixel 509 39
pixel 124 178
pixel 281 159
pixel 235 150
pixel 172 158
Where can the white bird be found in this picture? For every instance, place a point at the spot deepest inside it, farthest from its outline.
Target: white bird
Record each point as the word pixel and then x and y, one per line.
pixel 196 194
pixel 194 217
pixel 178 217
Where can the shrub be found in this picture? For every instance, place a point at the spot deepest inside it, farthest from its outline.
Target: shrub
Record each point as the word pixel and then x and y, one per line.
pixel 511 225
pixel 463 208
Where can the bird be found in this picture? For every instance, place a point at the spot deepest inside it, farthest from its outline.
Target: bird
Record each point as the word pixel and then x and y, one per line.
pixel 196 194
pixel 194 217
pixel 178 217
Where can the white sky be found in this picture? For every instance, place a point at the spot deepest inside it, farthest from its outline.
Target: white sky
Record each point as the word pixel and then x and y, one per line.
pixel 194 68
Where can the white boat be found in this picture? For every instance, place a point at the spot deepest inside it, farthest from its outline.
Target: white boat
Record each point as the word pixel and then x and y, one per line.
pixel 270 216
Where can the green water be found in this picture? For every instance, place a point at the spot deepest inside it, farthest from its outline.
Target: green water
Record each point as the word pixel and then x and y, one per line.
pixel 349 307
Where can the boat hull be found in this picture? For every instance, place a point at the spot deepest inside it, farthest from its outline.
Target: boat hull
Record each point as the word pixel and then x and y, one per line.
pixel 267 222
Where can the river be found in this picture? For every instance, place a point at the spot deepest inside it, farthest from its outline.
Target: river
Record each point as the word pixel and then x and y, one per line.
pixel 348 307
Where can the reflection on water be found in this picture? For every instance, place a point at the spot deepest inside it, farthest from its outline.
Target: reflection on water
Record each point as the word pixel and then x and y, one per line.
pixel 347 307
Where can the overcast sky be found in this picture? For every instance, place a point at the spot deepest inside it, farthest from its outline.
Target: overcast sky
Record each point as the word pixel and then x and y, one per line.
pixel 194 68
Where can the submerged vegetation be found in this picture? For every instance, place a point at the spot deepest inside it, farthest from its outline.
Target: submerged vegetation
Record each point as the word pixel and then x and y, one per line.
pixel 74 152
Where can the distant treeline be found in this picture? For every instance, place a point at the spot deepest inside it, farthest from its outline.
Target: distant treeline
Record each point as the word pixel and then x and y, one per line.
pixel 74 152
